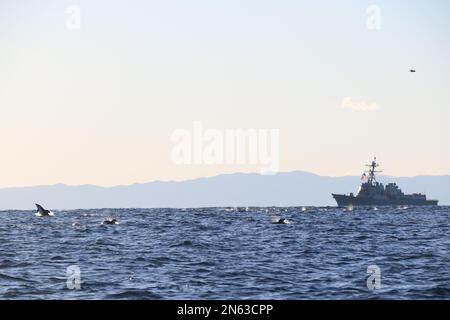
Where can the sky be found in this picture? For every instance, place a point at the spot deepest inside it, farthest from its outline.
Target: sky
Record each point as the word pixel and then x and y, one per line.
pixel 97 102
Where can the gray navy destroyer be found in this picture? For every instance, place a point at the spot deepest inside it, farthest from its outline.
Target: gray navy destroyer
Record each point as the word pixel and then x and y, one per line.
pixel 373 193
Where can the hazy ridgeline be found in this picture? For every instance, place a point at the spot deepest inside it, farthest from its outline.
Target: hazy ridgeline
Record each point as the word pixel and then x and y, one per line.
pixel 283 189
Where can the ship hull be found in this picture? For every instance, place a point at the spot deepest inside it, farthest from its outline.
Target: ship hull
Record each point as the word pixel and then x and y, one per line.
pixel 346 200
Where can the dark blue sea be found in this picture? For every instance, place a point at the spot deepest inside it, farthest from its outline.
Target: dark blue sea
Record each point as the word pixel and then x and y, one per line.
pixel 226 253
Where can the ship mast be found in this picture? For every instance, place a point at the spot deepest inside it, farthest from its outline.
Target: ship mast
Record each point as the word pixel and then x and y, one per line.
pixel 372 171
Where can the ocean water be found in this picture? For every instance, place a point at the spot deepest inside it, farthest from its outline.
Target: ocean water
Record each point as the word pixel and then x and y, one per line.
pixel 226 253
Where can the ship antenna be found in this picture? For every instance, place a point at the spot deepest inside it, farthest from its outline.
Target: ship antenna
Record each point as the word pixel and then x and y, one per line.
pixel 372 171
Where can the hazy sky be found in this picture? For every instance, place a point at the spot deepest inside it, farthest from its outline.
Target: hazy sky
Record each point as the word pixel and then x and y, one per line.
pixel 99 104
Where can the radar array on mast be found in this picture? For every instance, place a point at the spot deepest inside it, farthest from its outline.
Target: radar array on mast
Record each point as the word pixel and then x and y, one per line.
pixel 372 171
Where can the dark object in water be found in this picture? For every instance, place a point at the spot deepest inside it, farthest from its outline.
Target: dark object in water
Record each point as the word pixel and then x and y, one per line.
pixel 280 221
pixel 110 221
pixel 42 212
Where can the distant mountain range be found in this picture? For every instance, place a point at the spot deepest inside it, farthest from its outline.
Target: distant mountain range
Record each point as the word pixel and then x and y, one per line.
pixel 240 189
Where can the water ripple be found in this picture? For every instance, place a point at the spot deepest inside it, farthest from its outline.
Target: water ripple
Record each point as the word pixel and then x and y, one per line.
pixel 227 253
